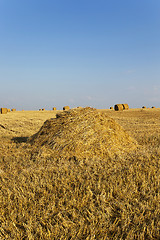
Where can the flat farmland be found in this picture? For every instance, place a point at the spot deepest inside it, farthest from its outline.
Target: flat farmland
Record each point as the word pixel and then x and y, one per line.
pixel 46 198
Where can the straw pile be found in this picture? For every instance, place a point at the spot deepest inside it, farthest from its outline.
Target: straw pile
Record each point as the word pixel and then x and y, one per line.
pixel 82 133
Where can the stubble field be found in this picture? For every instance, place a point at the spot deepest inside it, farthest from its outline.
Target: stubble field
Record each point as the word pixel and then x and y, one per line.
pixel 111 198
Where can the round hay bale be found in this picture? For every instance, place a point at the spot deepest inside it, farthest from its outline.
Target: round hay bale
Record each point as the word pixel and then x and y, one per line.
pixel 144 107
pixel 43 109
pixel 125 106
pixel 66 108
pixel 40 109
pixel 118 107
pixel 4 110
pixel 82 133
pixel 13 109
pixel 111 108
pixel 8 110
pixel 153 107
pixel 54 108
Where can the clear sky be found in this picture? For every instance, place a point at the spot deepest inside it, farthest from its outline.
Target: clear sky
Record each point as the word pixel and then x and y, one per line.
pixel 79 53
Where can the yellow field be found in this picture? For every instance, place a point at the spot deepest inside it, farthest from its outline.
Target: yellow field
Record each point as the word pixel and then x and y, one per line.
pixel 113 198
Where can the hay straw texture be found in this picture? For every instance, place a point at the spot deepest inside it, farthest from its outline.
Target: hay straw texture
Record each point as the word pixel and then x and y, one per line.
pixel 125 106
pixel 4 110
pixel 66 108
pixel 54 109
pixel 118 107
pixel 48 198
pixel 83 133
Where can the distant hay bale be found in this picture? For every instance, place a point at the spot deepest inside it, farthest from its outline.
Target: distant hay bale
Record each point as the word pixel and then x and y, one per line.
pixel 82 134
pixel 118 107
pixel 153 107
pixel 40 109
pixel 4 110
pixel 66 108
pixel 111 108
pixel 13 109
pixel 54 108
pixel 43 109
pixel 8 110
pixel 144 107
pixel 125 106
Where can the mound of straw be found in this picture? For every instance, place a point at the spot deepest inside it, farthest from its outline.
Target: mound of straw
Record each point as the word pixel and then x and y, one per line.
pixel 83 133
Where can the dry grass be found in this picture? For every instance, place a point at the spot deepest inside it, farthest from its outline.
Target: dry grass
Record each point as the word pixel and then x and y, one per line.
pixel 112 198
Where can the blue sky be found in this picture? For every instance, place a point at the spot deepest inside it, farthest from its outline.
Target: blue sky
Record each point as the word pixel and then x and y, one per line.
pixel 79 53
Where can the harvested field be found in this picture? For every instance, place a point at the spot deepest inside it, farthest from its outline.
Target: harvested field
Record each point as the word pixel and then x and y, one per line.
pixel 91 197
